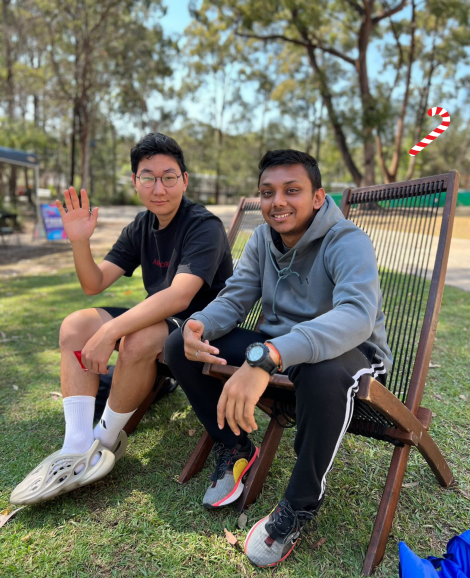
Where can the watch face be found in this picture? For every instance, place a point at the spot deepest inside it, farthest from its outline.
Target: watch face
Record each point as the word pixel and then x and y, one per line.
pixel 256 353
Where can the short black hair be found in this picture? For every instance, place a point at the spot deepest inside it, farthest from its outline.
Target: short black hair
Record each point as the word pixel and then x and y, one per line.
pixel 156 143
pixel 291 157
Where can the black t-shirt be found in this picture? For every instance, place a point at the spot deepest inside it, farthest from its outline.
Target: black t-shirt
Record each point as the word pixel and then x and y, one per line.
pixel 194 242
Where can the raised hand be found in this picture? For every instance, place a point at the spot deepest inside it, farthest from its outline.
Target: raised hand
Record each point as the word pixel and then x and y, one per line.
pixel 79 223
pixel 197 350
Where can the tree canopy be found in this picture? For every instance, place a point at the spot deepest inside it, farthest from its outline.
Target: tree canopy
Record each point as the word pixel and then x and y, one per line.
pixel 349 81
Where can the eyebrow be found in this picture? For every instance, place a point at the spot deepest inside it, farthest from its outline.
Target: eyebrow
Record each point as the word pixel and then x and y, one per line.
pixel 165 171
pixel 286 183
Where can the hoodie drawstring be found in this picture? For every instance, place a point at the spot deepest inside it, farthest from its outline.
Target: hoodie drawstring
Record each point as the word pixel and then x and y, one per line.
pixel 284 273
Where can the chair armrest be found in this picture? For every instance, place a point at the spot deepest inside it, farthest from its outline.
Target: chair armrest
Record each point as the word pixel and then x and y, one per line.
pixel 226 371
pixel 381 399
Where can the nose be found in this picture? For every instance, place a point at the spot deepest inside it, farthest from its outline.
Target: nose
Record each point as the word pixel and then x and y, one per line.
pixel 279 199
pixel 158 187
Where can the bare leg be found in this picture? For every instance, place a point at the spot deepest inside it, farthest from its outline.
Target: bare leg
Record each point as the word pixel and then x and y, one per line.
pixel 136 369
pixel 76 330
pixel 135 374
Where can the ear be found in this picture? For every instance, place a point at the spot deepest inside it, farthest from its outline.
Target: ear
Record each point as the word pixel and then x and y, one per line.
pixel 134 181
pixel 185 181
pixel 318 199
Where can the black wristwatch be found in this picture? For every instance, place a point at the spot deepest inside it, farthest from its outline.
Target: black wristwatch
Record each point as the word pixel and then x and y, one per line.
pixel 257 355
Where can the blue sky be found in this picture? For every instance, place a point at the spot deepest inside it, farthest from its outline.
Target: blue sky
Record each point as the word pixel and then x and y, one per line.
pixel 177 16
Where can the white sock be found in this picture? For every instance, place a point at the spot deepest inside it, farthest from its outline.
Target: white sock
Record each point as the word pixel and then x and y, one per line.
pixel 109 426
pixel 78 412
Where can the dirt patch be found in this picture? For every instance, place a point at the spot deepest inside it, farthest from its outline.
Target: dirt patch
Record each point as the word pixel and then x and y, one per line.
pixel 29 257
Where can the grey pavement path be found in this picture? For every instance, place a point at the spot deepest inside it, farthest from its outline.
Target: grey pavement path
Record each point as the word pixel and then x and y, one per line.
pixel 113 219
pixel 125 214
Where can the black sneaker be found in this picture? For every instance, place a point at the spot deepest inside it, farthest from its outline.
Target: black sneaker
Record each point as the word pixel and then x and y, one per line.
pixel 231 471
pixel 274 537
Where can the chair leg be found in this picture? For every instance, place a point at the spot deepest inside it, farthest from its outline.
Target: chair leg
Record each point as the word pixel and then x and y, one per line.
pixel 432 454
pixel 386 512
pixel 198 459
pixel 143 407
pixel 262 465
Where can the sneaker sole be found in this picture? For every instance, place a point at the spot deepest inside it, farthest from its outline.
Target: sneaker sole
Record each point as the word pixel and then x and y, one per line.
pixel 237 490
pixel 266 565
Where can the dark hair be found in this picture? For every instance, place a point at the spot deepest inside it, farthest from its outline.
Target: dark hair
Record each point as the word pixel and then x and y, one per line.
pixel 156 143
pixel 291 157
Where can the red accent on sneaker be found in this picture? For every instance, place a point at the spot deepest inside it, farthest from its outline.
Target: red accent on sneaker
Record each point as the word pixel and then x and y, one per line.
pixel 248 466
pixel 274 563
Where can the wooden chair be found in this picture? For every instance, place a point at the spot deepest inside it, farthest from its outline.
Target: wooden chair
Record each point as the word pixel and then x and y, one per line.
pixel 410 225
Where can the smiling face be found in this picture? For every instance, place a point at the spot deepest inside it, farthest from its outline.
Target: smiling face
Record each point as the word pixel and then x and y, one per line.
pixel 288 202
pixel 160 200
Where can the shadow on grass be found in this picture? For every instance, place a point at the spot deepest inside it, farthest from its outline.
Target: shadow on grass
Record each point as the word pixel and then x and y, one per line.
pixel 139 510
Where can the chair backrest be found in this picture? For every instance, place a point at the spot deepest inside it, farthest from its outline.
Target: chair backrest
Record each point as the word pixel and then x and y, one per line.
pixel 245 221
pixel 410 225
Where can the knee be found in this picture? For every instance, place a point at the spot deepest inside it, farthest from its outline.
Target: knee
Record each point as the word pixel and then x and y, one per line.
pixel 143 345
pixel 174 349
pixel 320 383
pixel 76 327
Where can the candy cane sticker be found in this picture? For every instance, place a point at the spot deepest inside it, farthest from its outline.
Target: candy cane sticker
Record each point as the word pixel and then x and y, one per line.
pixel 435 133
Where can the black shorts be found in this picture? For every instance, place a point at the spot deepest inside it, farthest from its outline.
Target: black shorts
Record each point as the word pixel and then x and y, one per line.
pixel 172 322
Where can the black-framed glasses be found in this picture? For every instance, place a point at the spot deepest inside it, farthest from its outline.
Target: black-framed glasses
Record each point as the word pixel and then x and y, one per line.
pixel 148 180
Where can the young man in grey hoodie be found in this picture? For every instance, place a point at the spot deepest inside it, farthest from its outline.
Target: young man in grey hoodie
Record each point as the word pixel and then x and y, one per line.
pixel 316 273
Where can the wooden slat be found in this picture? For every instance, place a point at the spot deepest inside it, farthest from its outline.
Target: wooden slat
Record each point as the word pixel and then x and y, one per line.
pixel 235 219
pixel 262 465
pixel 428 331
pixel 144 406
pixel 386 513
pixel 344 207
pixel 198 459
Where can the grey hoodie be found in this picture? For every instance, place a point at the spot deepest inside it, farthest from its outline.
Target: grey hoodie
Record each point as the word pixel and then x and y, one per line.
pixel 322 300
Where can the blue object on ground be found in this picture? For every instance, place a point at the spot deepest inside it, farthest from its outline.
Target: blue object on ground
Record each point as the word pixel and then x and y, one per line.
pixel 455 564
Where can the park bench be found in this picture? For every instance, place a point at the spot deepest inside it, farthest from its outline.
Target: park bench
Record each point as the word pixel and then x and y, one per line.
pixel 410 225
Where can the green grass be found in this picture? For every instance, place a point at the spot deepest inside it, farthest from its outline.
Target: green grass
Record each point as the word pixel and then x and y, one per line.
pixel 139 522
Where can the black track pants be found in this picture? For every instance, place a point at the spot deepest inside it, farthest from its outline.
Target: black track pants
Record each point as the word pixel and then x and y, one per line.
pixel 324 401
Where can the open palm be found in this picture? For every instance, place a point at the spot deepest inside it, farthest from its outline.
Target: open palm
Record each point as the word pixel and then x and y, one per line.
pixel 79 223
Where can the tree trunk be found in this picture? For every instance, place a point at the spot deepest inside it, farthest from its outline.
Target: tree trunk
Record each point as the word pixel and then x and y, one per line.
pixel 262 140
pixel 390 175
pixel 319 127
pixel 29 192
pixel 327 101
pixel 220 144
pixel 73 143
pixel 114 161
pixel 423 106
pixel 10 86
pixel 84 136
pixel 36 110
pixel 12 185
pixel 85 151
pixel 367 101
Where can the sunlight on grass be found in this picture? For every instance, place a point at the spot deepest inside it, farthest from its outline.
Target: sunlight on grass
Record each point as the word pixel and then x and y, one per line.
pixel 139 522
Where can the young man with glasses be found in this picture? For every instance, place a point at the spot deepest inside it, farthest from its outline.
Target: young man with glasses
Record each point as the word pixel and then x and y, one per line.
pixel 185 258
pixel 316 274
